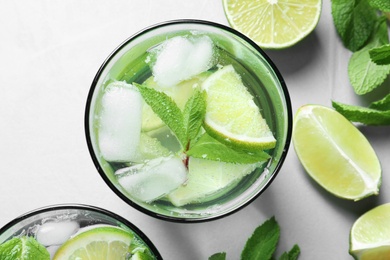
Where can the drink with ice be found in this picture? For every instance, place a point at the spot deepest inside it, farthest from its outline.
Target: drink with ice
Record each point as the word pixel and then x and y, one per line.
pixel 188 120
pixel 66 231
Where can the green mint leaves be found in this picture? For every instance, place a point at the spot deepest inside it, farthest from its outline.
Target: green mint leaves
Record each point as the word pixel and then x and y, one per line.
pixel 262 244
pixel 23 248
pixel 354 20
pixel 209 148
pixel 364 74
pixel 186 126
pixel 378 113
pixel 362 28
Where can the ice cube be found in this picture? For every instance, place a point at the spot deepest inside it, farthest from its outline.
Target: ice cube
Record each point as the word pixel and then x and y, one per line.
pixel 154 179
pixel 120 122
pixel 52 250
pixel 56 233
pixel 181 58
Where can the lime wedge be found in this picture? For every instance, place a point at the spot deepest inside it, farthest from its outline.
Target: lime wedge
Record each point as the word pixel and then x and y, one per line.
pixel 23 248
pixel 335 154
pixel 99 243
pixel 141 256
pixel 232 117
pixel 273 24
pixel 370 235
pixel 207 178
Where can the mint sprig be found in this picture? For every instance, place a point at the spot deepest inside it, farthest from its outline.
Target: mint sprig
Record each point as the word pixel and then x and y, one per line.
pixel 23 248
pixel 262 244
pixel 186 126
pixel 354 21
pixel 209 148
pixel 362 27
pixel 364 74
pixel 165 107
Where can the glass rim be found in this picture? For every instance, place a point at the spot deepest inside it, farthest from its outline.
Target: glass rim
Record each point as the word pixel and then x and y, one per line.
pixel 76 206
pixel 203 218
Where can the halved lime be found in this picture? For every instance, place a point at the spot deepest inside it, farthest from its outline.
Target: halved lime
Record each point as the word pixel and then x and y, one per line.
pixel 232 117
pixel 370 235
pixel 273 24
pixel 206 178
pixel 335 153
pixel 100 243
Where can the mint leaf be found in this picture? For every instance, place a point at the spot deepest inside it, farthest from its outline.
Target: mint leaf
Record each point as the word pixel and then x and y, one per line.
pixel 194 112
pixel 368 116
pixel 292 254
pixel 383 104
pixel 382 5
pixel 263 242
pixel 354 21
pixel 363 73
pixel 380 55
pixel 23 248
pixel 218 256
pixel 209 148
pixel 164 106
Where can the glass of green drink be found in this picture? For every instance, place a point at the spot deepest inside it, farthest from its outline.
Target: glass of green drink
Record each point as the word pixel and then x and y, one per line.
pixel 188 121
pixel 71 231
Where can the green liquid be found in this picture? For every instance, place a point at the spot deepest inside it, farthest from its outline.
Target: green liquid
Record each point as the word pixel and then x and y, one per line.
pixel 259 82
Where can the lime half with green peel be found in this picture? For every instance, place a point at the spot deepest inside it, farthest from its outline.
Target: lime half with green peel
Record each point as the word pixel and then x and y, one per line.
pixel 335 153
pixel 100 243
pixel 370 235
pixel 23 248
pixel 232 117
pixel 273 24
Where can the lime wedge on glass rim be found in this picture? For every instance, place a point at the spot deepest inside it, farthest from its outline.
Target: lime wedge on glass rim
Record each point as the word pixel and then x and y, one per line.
pixel 370 235
pixel 273 24
pixel 97 243
pixel 335 153
pixel 232 117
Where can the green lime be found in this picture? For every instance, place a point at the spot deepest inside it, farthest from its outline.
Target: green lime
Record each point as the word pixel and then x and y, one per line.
pixel 232 117
pixel 207 178
pixel 335 153
pixel 23 248
pixel 273 24
pixel 370 235
pixel 100 243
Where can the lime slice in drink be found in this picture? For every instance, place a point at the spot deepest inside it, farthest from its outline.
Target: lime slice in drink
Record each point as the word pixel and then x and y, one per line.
pixel 97 243
pixel 23 248
pixel 370 234
pixel 335 153
pixel 141 256
pixel 179 93
pixel 207 178
pixel 232 117
pixel 273 24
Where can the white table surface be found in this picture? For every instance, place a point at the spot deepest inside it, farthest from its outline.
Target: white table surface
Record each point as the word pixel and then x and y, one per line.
pixel 49 54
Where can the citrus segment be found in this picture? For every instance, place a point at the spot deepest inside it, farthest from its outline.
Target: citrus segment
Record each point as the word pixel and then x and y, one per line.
pixel 206 178
pixel 335 153
pixel 370 234
pixel 273 24
pixel 232 117
pixel 99 243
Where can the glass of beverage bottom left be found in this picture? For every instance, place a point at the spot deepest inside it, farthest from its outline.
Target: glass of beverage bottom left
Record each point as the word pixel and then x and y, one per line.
pixel 65 228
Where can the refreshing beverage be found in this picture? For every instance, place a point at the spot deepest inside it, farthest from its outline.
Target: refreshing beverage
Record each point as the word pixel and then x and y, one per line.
pixel 74 232
pixel 188 121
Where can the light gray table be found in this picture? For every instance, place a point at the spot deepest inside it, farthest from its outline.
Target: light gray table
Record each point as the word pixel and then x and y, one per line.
pixel 49 54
